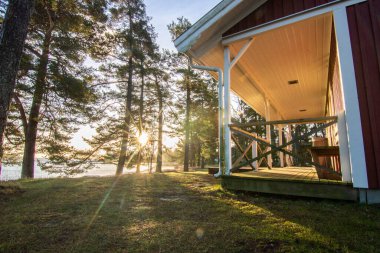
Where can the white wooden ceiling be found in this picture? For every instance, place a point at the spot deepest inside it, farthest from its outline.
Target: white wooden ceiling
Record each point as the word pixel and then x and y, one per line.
pixel 299 51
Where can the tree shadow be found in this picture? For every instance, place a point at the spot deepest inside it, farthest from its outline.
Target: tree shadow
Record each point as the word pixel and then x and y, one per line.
pixel 191 214
pixel 177 212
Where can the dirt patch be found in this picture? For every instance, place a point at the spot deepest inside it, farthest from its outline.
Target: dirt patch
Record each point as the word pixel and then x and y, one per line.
pixel 171 199
pixel 7 191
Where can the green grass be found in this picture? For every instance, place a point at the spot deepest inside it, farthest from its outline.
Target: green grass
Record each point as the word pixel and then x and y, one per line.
pixel 175 212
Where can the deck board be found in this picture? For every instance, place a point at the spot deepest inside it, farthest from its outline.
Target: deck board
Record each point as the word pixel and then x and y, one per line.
pixel 301 173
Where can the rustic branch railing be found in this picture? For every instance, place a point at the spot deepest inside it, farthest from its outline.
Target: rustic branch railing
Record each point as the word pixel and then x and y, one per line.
pixel 287 122
pixel 236 129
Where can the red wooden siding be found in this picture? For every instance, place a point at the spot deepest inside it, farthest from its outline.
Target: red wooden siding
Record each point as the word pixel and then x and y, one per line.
pixel 364 25
pixel 272 10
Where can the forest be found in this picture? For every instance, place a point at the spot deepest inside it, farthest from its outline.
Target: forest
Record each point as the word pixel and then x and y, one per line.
pixel 97 63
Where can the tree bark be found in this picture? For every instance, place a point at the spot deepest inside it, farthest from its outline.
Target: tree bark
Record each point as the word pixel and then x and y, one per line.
pixel 199 149
pixel 32 127
pixel 128 102
pixel 12 38
pixel 160 127
pixel 187 123
pixel 141 111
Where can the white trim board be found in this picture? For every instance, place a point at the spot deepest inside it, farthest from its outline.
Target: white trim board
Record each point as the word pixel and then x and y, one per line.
pixel 224 5
pixel 316 11
pixel 187 40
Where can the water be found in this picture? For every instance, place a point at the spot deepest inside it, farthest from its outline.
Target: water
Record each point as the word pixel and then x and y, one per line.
pixel 13 172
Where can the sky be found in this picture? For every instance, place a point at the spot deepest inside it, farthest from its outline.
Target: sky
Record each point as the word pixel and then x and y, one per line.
pixel 162 12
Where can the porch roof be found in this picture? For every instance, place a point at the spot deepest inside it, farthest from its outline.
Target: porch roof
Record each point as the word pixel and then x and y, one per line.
pixel 295 52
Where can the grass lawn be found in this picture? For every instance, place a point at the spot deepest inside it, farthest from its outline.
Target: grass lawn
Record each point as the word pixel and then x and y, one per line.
pixel 175 212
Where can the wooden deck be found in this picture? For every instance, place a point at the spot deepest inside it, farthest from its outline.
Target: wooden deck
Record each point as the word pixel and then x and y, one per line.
pixel 294 173
pixel 291 181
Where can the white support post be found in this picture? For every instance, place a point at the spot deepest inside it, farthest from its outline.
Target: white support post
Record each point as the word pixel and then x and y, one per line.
pixel 228 65
pixel 220 123
pixel 268 130
pixel 344 151
pixel 351 101
pixel 280 142
pixel 227 111
pixel 254 155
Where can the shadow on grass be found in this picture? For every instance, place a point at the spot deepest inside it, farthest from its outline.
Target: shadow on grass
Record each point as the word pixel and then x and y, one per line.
pixel 177 212
pixel 188 213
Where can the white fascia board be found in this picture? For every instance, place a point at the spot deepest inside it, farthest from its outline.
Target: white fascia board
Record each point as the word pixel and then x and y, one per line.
pixel 184 42
pixel 319 10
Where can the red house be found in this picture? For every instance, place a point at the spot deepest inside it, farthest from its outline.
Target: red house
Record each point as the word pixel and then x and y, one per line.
pixel 297 62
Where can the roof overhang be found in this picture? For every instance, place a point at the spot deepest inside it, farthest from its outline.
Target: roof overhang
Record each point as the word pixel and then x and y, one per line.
pixel 205 43
pixel 207 32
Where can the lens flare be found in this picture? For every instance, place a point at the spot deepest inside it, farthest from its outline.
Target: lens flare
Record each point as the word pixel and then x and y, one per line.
pixel 143 138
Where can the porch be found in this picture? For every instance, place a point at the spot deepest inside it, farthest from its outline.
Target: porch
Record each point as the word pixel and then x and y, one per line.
pixel 273 162
pixel 291 76
pixel 295 72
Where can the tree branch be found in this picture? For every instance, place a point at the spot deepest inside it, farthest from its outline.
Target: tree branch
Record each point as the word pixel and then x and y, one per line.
pixel 32 50
pixel 21 109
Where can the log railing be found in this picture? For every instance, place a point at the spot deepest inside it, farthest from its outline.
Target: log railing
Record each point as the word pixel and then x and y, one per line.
pixel 237 129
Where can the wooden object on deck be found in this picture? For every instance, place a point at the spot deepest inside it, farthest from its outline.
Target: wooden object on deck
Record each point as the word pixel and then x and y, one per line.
pixel 330 152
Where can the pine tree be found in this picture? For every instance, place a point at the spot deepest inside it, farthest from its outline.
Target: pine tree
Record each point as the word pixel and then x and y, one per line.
pixel 176 29
pixel 53 86
pixel 199 91
pixel 161 75
pixel 122 114
pixel 134 36
pixel 14 28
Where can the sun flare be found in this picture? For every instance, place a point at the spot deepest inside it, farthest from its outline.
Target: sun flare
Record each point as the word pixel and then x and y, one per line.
pixel 143 138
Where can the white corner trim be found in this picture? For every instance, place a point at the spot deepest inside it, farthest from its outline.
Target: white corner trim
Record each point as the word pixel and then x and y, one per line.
pixel 351 100
pixel 344 149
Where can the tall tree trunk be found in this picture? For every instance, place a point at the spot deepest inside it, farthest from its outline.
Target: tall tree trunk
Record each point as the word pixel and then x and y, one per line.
pixel 151 158
pixel 141 111
pixel 160 127
pixel 128 105
pixel 199 149
pixel 192 150
pixel 40 89
pixel 202 163
pixel 12 38
pixel 187 123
